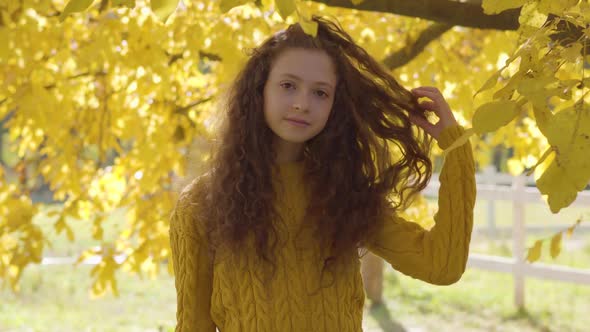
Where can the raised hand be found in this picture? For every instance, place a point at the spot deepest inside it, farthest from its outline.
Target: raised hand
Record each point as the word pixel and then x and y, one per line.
pixel 438 105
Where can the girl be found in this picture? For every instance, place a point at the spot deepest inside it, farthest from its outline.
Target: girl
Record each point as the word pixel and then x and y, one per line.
pixel 317 155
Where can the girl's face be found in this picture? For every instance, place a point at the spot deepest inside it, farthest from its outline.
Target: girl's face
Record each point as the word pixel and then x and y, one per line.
pixel 298 95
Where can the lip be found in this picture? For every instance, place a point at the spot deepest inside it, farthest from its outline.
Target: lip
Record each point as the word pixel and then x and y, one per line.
pixel 298 122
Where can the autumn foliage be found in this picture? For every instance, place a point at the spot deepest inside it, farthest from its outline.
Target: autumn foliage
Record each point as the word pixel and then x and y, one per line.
pixel 103 100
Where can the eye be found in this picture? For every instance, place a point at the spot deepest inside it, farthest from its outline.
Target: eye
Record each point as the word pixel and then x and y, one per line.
pixel 325 94
pixel 286 83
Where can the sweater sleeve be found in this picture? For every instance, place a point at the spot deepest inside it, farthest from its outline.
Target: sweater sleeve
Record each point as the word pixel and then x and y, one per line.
pixel 439 255
pixel 192 271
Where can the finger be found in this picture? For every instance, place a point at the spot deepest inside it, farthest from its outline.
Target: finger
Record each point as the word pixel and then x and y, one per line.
pixel 423 123
pixel 441 106
pixel 429 88
pixel 434 95
pixel 428 105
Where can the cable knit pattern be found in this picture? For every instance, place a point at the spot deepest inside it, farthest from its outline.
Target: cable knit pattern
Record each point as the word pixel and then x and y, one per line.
pixel 230 295
pixel 438 256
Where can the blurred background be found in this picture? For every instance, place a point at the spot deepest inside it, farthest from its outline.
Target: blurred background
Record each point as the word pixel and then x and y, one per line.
pixel 106 107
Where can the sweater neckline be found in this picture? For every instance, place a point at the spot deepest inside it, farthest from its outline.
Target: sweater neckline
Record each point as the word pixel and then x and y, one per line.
pixel 290 169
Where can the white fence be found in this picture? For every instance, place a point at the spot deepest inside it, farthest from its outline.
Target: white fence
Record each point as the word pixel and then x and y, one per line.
pixel 492 186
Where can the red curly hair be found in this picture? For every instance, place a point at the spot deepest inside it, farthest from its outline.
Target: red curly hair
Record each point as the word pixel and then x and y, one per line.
pixel 368 158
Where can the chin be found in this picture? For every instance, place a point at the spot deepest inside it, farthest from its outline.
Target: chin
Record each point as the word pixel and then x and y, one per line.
pixel 296 140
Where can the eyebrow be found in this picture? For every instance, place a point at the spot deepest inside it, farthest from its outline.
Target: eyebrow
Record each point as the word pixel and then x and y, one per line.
pixel 300 79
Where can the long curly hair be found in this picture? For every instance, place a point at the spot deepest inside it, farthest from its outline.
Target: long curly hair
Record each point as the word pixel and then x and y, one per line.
pixel 368 160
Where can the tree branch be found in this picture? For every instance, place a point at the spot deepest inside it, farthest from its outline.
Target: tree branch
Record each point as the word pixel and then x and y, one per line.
pixel 406 54
pixel 451 12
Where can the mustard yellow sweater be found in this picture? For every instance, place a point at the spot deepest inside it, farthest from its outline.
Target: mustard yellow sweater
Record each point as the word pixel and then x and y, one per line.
pixel 231 297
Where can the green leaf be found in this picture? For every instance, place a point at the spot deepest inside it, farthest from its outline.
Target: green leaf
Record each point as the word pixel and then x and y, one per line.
pixel 493 115
pixel 285 7
pixel 534 253
pixel 163 8
pixel 75 6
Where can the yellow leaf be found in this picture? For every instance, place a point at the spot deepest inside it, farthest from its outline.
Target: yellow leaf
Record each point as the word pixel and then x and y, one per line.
pixel 532 87
pixel 70 234
pixel 285 7
pixel 567 123
pixel 96 269
pixel 226 5
pixel 570 229
pixel 556 184
pixel 357 2
pixel 490 83
pixel 556 7
pixel 530 16
pixel 126 3
pixel 114 287
pixel 508 90
pixel 309 27
pixel 541 160
pixel 569 132
pixel 5 50
pixel 563 89
pixel 61 225
pixel 572 53
pixel 556 245
pixel 498 6
pixel 266 5
pixel 97 230
pixel 534 253
pixel 543 116
pixel 163 8
pixel 515 166
pixel 75 6
pixel 459 141
pixel 52 213
pixel 493 115
pixel 83 256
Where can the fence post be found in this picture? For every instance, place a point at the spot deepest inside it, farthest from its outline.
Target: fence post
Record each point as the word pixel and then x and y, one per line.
pixel 518 237
pixel 372 267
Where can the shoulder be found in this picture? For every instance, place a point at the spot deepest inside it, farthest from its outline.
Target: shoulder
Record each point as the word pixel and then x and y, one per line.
pixel 185 215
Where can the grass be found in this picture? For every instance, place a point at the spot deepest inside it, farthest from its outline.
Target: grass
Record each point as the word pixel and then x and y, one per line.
pixel 483 301
pixel 55 298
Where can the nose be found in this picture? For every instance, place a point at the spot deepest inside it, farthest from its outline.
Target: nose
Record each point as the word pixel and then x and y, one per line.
pixel 302 101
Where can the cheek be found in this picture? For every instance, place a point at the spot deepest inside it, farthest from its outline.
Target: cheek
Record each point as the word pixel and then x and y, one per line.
pixel 325 115
pixel 268 106
pixel 272 103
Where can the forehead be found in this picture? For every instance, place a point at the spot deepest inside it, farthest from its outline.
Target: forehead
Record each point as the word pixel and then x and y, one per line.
pixel 310 65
